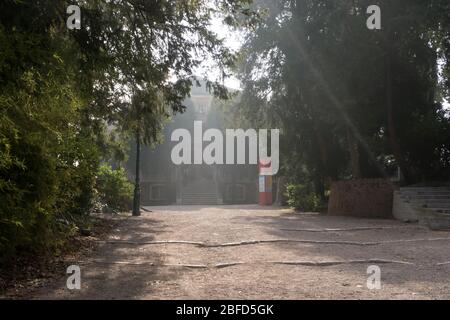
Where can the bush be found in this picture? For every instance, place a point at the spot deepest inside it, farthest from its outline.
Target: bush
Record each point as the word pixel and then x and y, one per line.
pixel 301 198
pixel 48 147
pixel 114 189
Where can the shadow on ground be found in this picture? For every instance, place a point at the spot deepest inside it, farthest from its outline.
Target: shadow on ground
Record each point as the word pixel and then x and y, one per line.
pixel 425 255
pixel 116 270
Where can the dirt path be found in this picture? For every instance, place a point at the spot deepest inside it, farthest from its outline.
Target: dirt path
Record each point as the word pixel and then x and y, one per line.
pixel 225 252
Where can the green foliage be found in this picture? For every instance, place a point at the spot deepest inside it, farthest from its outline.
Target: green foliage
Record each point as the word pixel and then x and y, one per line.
pixel 346 97
pixel 301 198
pixel 60 88
pixel 49 158
pixel 49 151
pixel 114 189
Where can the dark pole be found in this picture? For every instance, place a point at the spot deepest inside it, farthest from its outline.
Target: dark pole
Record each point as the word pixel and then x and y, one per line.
pixel 137 188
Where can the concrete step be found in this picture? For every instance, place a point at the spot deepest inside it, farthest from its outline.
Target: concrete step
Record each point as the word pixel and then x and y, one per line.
pixel 437 205
pixel 199 202
pixel 432 207
pixel 425 193
pixel 424 188
pixel 441 210
pixel 442 203
pixel 199 198
pixel 438 223
pixel 420 203
pixel 424 197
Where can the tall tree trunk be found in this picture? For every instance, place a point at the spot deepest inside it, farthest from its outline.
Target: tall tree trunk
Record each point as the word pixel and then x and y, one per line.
pixel 354 155
pixel 319 185
pixel 319 188
pixel 392 133
pixel 137 187
pixel 322 147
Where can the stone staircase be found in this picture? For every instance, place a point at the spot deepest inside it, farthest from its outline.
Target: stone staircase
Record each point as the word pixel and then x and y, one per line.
pixel 428 205
pixel 192 198
pixel 200 192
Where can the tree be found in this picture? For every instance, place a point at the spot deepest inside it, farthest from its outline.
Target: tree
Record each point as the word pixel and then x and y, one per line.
pixel 51 154
pixel 138 47
pixel 60 88
pixel 143 120
pixel 347 97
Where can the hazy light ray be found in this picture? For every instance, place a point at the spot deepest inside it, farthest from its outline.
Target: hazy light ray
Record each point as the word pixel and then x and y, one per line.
pixel 335 101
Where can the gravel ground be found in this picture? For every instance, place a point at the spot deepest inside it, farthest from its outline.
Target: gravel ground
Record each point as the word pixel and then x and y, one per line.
pixel 315 257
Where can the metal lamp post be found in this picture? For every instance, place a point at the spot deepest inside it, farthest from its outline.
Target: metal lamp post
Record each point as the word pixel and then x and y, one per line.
pixel 137 187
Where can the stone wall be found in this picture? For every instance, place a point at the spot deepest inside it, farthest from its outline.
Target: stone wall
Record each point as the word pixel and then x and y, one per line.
pixel 368 198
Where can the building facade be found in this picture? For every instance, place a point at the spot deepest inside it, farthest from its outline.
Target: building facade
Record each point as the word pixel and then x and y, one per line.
pixel 164 183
